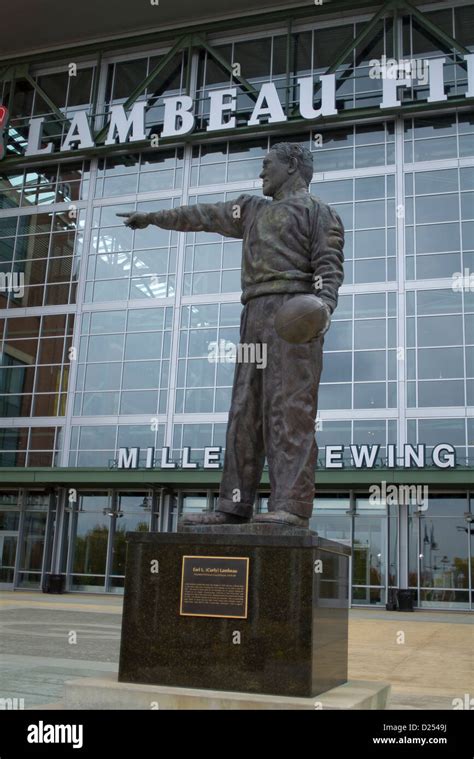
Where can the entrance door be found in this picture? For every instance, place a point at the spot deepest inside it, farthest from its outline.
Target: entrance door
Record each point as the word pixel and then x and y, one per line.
pixel 8 546
pixel 440 553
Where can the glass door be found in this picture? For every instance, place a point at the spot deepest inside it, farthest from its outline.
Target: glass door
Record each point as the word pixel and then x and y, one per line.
pixel 370 557
pixel 131 512
pixel 9 527
pixel 32 548
pixel 89 538
pixel 8 546
pixel 440 554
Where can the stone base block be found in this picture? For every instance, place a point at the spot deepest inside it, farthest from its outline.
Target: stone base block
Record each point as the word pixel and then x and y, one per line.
pixel 107 693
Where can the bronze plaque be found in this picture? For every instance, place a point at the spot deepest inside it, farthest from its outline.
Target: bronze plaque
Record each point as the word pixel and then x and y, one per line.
pixel 214 586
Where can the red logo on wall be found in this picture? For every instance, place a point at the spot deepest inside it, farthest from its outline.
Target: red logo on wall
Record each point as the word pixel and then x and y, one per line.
pixel 3 131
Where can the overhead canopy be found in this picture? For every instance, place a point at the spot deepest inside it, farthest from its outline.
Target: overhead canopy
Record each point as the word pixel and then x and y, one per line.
pixel 34 26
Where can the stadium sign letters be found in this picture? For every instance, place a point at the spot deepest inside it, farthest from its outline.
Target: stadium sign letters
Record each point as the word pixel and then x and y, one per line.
pixel 180 120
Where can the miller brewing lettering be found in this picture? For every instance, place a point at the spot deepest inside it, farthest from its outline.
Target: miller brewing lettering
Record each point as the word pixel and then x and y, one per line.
pixel 442 456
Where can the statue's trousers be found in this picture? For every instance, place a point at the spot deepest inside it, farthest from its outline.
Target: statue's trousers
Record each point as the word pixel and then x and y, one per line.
pixel 272 414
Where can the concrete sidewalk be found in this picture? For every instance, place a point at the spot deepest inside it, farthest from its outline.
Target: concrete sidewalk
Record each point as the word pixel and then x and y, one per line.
pixel 428 657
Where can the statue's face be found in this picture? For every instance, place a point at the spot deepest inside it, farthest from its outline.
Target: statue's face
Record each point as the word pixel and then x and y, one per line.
pixel 274 174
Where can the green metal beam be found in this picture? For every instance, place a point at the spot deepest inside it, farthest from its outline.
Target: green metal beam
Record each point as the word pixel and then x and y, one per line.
pixel 395 37
pixel 461 478
pixel 180 45
pixel 370 26
pixel 342 55
pixel 95 90
pixel 371 113
pixel 45 97
pixel 434 28
pixel 226 66
pixel 140 88
pixel 289 48
pixel 187 85
pixel 11 95
pixel 3 72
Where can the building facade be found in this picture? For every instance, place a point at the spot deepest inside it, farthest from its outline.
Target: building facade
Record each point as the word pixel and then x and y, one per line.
pixel 116 346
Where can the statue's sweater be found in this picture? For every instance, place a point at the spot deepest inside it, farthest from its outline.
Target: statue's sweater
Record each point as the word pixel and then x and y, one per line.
pixel 293 245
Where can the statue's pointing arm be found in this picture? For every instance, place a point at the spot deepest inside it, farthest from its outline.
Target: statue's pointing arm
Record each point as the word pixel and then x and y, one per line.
pixel 327 254
pixel 222 218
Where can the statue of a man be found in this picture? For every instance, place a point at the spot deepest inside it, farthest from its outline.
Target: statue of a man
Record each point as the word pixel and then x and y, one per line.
pixel 292 244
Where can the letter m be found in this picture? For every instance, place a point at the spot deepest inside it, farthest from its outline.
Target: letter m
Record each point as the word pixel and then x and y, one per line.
pixel 128 458
pixel 132 125
pixel 246 353
pixel 64 733
pixel 407 494
pixel 6 703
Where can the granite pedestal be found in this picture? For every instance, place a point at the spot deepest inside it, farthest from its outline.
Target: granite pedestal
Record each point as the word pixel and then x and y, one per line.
pixel 293 641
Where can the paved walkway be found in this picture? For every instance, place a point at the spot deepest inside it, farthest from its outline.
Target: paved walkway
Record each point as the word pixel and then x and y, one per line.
pixel 428 657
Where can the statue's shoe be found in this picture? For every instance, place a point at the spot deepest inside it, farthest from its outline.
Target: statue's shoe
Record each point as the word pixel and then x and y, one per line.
pixel 212 518
pixel 282 517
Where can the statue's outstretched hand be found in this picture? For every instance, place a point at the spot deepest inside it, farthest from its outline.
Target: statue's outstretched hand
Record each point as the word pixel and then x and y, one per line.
pixel 135 220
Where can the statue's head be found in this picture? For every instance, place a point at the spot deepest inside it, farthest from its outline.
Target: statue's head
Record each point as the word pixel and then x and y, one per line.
pixel 286 163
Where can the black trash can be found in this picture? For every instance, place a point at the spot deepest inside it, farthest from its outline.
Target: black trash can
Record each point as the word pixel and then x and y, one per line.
pixel 53 583
pixel 405 599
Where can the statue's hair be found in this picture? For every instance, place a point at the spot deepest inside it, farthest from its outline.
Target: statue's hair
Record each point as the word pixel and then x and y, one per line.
pixel 304 158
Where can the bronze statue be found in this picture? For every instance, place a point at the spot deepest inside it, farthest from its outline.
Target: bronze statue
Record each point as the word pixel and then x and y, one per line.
pixel 292 245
